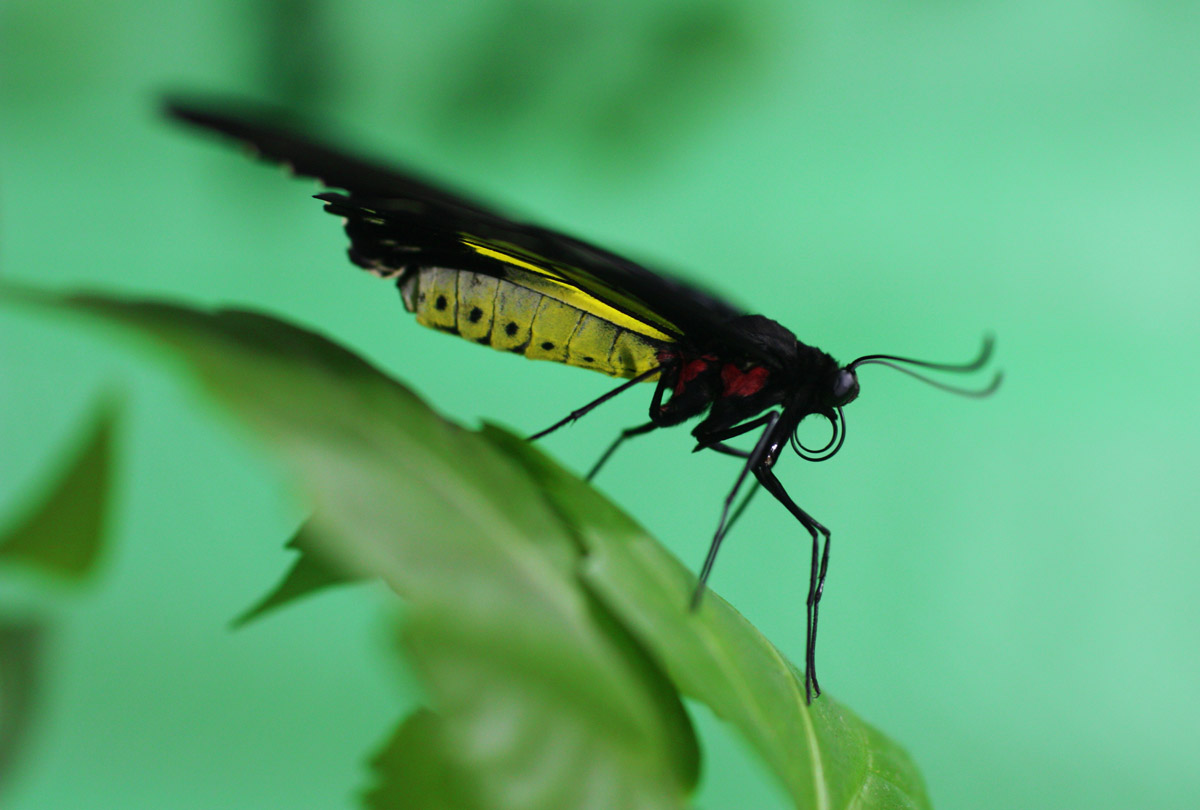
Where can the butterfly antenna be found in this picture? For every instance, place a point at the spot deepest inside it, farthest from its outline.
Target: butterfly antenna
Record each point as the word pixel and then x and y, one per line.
pixel 985 352
pixel 899 363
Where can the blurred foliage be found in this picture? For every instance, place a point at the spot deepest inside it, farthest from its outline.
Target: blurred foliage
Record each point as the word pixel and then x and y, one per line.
pixel 551 634
pixel 21 642
pixel 294 60
pixel 63 533
pixel 416 769
pixel 311 572
pixel 60 536
pixel 629 89
pixel 76 45
pixel 617 84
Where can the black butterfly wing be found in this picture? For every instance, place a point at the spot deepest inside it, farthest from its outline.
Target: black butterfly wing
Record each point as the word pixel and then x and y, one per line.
pixel 281 143
pixel 397 220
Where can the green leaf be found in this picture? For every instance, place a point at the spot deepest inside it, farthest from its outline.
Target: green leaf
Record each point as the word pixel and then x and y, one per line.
pixel 552 634
pixel 310 572
pixel 417 770
pixel 546 701
pixel 824 755
pixel 63 533
pixel 21 643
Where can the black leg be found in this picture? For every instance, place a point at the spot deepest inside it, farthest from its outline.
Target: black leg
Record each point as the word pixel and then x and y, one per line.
pixel 655 411
pixel 721 447
pixel 573 415
pixel 655 422
pixel 612 448
pixel 816 575
pixel 754 459
pixel 737 513
pixel 719 437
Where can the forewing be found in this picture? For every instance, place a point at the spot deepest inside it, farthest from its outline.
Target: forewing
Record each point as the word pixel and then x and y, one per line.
pixel 397 220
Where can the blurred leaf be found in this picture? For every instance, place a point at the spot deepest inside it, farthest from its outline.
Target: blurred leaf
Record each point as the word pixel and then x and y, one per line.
pixel 20 645
pixel 74 47
pixel 416 770
pixel 545 701
pixel 63 534
pixel 293 48
pixel 622 83
pixel 309 573
pixel 824 755
pixel 541 618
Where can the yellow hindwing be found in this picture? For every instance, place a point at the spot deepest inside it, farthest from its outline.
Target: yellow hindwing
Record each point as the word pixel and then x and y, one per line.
pixel 555 283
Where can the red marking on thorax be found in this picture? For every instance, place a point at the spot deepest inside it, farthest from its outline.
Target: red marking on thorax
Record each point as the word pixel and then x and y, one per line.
pixel 738 383
pixel 691 370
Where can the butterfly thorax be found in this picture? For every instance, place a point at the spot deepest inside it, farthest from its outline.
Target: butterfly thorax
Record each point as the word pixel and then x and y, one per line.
pixel 737 379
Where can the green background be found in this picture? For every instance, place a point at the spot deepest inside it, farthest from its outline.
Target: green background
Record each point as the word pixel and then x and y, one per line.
pixel 1013 585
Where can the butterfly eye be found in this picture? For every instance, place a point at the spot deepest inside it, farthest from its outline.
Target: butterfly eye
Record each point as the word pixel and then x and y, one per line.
pixel 846 387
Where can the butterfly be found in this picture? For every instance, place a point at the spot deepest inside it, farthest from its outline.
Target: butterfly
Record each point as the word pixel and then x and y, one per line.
pixel 467 270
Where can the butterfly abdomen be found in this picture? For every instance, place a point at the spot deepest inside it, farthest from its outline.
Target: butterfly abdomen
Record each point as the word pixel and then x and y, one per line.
pixel 510 317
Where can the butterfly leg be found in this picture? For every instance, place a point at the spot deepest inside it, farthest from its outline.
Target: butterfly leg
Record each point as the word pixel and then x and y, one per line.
pixel 741 507
pixel 628 433
pixel 753 460
pixel 655 411
pixel 575 414
pixel 721 447
pixel 657 420
pixel 816 576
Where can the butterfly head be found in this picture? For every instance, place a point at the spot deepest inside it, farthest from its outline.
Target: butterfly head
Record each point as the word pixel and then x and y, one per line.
pixel 845 387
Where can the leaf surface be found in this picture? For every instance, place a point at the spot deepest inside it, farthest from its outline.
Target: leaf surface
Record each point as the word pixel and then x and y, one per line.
pixel 310 572
pixel 546 701
pixel 552 633
pixel 21 681
pixel 63 533
pixel 417 770
pixel 824 755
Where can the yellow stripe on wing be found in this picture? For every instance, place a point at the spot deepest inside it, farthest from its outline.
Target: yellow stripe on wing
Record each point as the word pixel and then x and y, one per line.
pixel 552 282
